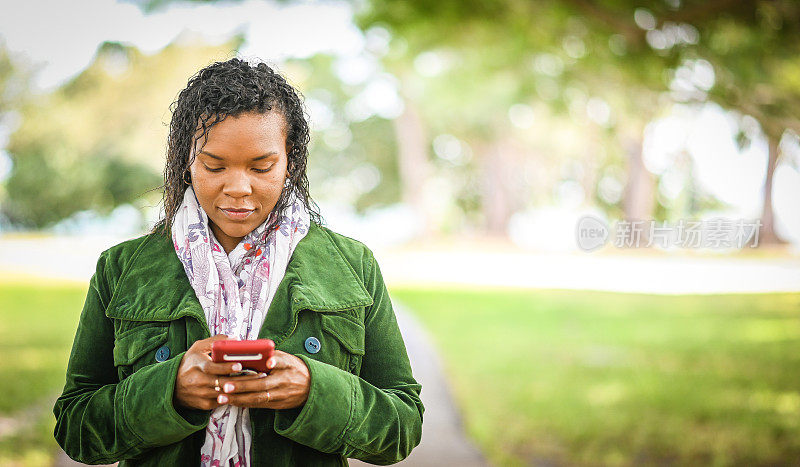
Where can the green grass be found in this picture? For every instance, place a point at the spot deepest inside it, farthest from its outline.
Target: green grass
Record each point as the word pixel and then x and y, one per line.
pixel 589 378
pixel 38 327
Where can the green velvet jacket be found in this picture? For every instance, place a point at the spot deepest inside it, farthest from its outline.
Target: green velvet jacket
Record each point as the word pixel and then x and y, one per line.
pixel 117 401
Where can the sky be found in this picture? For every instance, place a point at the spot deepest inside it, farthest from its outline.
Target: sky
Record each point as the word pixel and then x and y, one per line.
pixel 64 35
pixel 64 41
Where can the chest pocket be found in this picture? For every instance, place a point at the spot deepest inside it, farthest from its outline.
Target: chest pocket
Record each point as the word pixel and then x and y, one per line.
pixel 137 346
pixel 347 334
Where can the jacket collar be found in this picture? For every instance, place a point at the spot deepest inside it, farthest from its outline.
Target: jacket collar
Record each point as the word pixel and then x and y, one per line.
pixel 154 286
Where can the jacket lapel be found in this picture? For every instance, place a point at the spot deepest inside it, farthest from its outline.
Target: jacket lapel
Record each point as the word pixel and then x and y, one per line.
pixel 321 278
pixel 154 286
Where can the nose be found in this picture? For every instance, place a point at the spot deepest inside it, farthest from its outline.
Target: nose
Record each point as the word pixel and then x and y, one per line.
pixel 237 184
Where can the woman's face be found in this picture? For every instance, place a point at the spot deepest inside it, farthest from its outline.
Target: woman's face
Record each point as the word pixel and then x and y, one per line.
pixel 242 167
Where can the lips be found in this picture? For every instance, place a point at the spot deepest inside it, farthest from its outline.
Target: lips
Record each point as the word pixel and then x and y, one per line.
pixel 236 213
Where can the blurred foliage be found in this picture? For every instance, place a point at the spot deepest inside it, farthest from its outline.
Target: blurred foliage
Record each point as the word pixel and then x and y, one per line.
pixel 519 101
pixel 467 72
pixel 98 141
pixel 590 75
pixel 352 159
pixel 15 76
pixel 613 44
pixel 638 57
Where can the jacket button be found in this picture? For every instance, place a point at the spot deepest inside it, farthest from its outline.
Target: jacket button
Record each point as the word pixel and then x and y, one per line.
pixel 162 353
pixel 313 345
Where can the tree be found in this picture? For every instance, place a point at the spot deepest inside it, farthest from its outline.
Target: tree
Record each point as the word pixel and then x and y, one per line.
pixel 98 141
pixel 752 47
pixel 533 52
pixel 14 92
pixel 353 152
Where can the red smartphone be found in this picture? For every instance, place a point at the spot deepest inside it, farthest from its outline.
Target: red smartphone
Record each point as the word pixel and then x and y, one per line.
pixel 252 354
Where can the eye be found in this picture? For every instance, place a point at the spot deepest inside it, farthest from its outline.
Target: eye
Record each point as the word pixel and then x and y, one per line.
pixel 213 170
pixel 261 171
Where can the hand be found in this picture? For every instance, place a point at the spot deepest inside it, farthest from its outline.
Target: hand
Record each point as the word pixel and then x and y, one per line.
pixel 197 376
pixel 285 387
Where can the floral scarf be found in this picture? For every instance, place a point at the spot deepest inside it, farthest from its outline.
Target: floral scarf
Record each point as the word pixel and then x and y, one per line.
pixel 235 291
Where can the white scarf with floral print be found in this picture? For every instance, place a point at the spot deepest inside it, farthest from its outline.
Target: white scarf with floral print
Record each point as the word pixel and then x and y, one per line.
pixel 235 291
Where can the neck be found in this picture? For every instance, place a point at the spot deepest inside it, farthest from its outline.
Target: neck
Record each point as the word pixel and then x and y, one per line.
pixel 228 243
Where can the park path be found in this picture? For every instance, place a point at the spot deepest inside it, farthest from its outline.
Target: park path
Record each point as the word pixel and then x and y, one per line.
pixel 443 440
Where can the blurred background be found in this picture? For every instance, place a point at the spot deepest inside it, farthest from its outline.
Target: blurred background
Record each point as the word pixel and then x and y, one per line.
pixel 462 141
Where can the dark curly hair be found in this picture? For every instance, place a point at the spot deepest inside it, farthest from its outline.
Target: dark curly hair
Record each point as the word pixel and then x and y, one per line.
pixel 225 89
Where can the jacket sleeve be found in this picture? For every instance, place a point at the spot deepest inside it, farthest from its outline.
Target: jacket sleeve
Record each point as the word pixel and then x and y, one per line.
pixel 375 417
pixel 100 419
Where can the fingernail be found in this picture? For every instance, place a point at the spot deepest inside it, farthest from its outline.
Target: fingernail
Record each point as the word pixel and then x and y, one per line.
pixel 222 399
pixel 271 362
pixel 262 375
pixel 237 367
pixel 228 387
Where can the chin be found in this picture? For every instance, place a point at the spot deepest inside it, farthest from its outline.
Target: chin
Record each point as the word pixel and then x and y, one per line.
pixel 237 230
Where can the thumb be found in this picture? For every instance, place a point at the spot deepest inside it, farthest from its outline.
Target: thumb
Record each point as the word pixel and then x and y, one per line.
pixel 205 344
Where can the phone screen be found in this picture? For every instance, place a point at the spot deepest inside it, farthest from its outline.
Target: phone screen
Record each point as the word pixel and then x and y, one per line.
pixel 244 372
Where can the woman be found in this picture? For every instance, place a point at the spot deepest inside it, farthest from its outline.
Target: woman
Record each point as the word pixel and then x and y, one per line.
pixel 239 254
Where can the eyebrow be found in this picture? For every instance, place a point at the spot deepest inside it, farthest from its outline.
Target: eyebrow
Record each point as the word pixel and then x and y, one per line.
pixel 258 158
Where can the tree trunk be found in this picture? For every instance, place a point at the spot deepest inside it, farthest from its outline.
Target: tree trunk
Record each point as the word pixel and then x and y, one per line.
pixel 501 184
pixel 639 195
pixel 591 164
pixel 413 162
pixel 767 235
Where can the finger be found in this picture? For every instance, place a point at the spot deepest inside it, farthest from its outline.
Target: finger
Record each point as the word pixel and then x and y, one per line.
pixel 280 360
pixel 204 386
pixel 220 369
pixel 249 399
pixel 206 392
pixel 239 378
pixel 204 345
pixel 253 385
pixel 209 403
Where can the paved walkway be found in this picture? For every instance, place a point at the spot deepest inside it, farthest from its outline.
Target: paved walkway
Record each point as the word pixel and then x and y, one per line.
pixel 443 440
pixel 631 272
